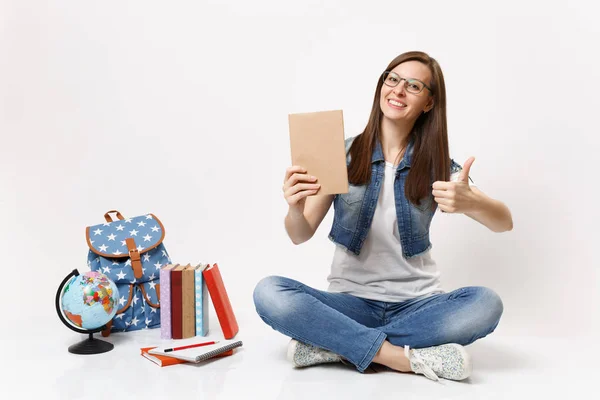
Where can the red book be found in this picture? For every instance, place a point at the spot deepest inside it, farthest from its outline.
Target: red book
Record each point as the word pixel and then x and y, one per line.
pixel 176 302
pixel 220 300
pixel 162 361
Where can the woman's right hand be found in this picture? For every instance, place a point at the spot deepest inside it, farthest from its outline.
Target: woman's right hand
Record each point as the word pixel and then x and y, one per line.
pixel 297 186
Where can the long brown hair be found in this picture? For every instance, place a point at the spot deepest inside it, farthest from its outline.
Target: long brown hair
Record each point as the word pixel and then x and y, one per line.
pixel 430 159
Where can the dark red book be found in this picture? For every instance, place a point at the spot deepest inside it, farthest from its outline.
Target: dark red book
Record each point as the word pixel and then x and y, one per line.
pixel 176 302
pixel 220 300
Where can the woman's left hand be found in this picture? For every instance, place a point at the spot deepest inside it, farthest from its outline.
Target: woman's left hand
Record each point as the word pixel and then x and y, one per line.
pixel 456 197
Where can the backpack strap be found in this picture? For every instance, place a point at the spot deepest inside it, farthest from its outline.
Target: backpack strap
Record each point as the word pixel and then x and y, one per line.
pixel 134 254
pixel 109 219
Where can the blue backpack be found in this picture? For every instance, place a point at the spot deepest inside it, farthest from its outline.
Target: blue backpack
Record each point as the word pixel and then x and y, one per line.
pixel 130 252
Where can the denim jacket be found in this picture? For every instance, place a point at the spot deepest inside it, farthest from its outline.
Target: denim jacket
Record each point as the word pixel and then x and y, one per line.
pixel 354 210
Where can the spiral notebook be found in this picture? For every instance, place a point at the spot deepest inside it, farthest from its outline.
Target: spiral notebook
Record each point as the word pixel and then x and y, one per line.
pixel 198 354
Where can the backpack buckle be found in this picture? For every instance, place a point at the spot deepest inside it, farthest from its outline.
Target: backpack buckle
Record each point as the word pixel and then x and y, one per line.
pixel 134 255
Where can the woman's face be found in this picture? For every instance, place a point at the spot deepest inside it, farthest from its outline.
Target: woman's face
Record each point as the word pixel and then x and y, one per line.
pixel 398 103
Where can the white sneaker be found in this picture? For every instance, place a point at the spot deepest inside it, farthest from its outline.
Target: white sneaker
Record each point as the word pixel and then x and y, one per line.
pixel 449 361
pixel 303 355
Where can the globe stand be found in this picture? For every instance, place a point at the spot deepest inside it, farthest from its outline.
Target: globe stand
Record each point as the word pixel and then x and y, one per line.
pixel 91 346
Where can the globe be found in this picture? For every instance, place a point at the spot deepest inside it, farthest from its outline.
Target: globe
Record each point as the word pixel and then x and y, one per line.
pixel 86 303
pixel 90 300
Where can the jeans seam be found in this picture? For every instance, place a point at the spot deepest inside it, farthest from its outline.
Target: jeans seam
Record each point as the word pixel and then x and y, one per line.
pixel 372 315
pixel 426 308
pixel 370 354
pixel 291 334
pixel 359 366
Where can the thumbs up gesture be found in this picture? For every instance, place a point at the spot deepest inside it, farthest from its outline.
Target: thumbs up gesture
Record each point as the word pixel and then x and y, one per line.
pixel 456 197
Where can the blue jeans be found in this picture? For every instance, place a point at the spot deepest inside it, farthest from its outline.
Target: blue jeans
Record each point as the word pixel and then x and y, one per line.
pixel 355 328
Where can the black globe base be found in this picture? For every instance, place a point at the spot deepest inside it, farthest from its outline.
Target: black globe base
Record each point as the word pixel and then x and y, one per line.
pixel 91 346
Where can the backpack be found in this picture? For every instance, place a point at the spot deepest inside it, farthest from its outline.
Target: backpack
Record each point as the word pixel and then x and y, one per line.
pixel 130 251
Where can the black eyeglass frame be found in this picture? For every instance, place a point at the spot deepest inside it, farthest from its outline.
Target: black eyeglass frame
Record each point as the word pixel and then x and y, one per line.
pixel 400 79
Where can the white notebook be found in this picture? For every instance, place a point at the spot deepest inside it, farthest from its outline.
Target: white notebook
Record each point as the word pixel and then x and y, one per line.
pixel 197 354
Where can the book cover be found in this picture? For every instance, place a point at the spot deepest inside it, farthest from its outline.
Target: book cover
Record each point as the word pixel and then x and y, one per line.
pixel 201 294
pixel 165 361
pixel 220 300
pixel 199 354
pixel 317 144
pixel 176 302
pixel 165 301
pixel 160 360
pixel 188 329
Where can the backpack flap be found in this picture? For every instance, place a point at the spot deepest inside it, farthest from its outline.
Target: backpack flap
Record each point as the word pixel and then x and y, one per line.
pixel 125 297
pixel 126 238
pixel 138 307
pixel 150 292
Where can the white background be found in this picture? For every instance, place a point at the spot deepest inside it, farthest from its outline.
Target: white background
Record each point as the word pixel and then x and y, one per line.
pixel 180 109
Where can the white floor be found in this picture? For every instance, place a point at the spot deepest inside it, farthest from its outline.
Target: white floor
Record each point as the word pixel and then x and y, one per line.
pixel 504 368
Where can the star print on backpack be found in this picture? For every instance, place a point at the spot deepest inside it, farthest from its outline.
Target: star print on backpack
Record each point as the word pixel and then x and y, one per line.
pixel 130 251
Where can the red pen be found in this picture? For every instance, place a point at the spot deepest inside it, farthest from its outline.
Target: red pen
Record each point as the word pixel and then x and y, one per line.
pixel 190 346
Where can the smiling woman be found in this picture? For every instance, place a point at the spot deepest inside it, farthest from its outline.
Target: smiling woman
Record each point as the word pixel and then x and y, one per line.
pixel 407 91
pixel 385 303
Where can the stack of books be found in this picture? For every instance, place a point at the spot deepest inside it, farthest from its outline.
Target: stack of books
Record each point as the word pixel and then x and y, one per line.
pixel 184 297
pixel 184 291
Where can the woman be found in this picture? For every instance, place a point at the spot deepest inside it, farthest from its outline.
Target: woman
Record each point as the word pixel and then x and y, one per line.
pixel 384 303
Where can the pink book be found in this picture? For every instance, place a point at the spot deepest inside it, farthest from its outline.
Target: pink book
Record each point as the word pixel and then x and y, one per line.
pixel 165 301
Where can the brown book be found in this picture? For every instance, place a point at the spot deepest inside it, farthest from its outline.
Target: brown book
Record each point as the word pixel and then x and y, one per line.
pixel 187 303
pixel 317 144
pixel 176 302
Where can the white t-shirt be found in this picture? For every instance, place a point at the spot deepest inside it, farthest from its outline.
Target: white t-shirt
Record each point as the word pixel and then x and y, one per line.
pixel 381 272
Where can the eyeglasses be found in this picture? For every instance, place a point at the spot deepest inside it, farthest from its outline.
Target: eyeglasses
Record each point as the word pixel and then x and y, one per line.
pixel 411 85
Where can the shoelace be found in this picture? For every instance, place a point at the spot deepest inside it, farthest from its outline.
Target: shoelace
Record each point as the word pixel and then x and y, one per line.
pixel 420 363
